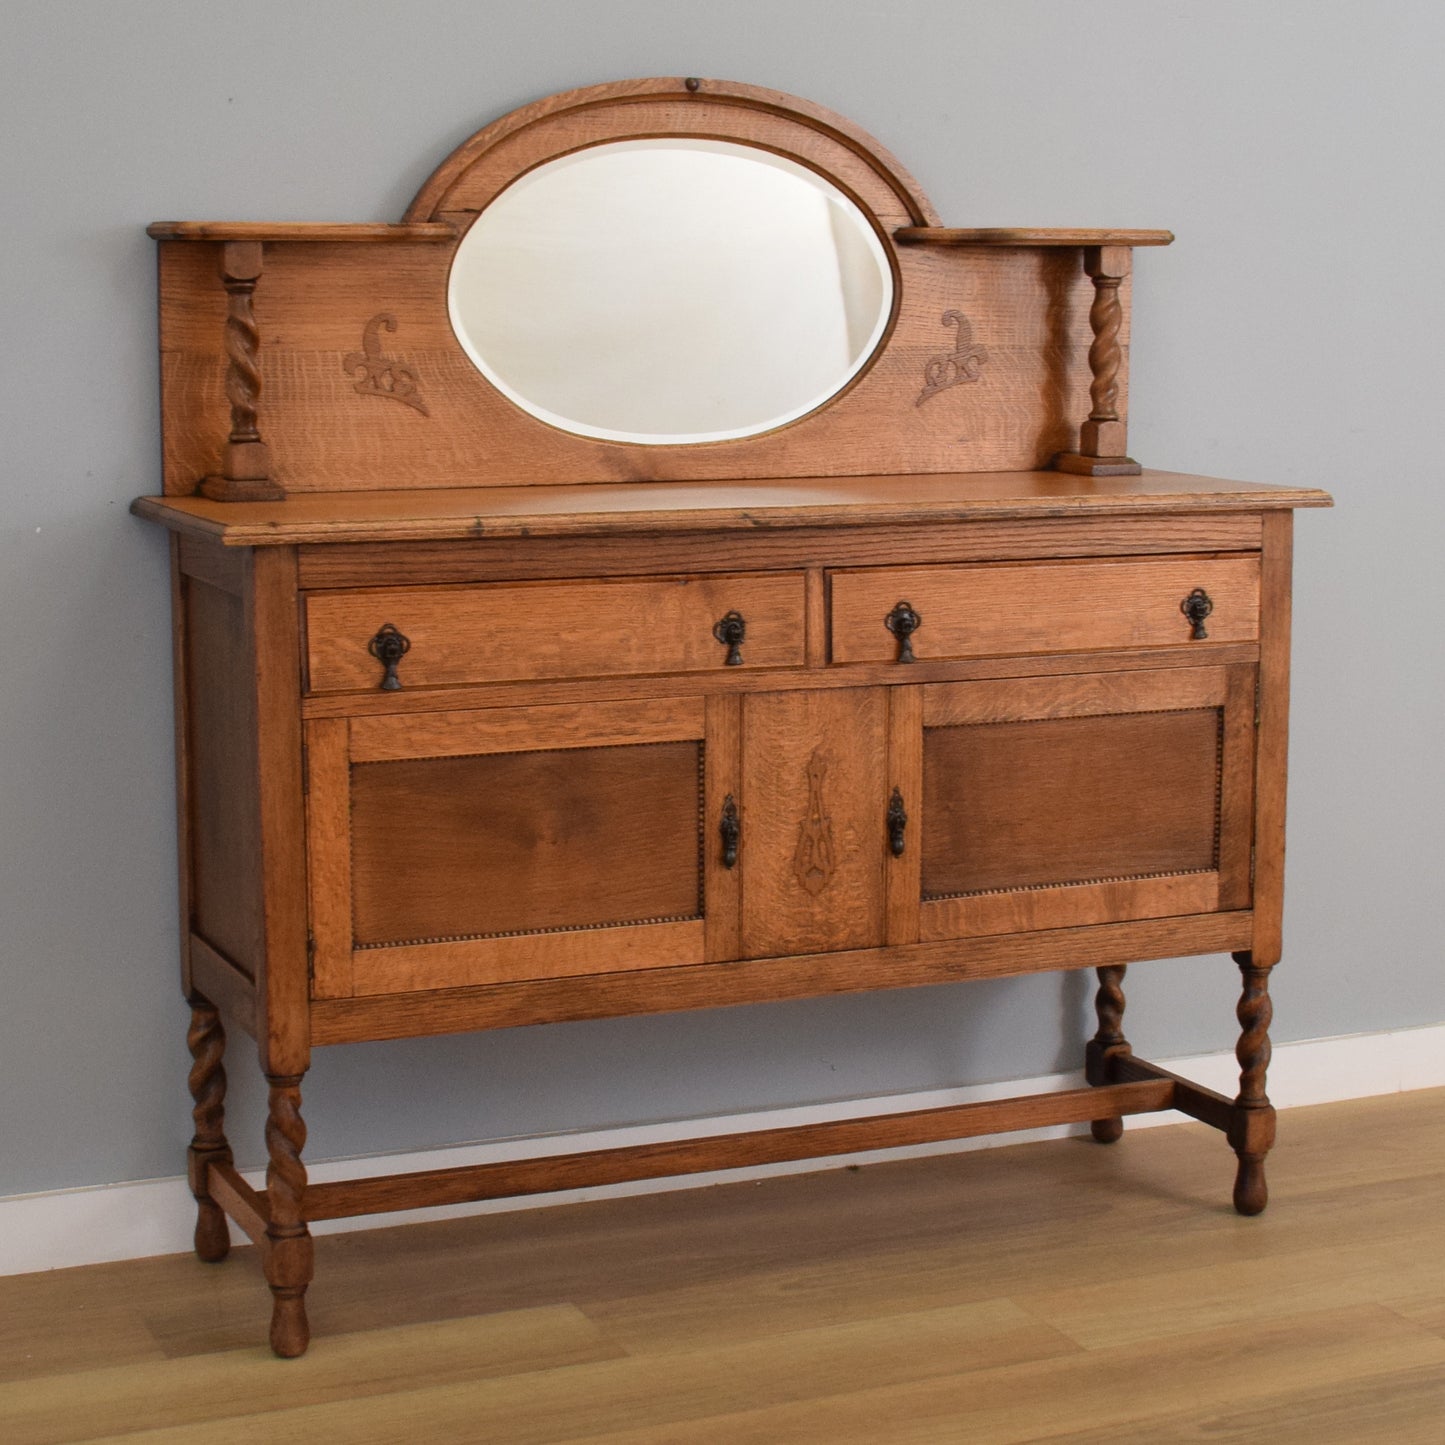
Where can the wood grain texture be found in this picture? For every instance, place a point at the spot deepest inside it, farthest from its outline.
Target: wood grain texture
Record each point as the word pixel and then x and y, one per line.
pixel 1028 308
pixel 1027 236
pixel 363 564
pixel 206 1039
pixel 502 843
pixel 328 856
pixel 1252 1122
pixel 723 780
pixel 244 472
pixel 691 1156
pixel 528 830
pixel 434 703
pixel 1236 789
pixel 221 567
pixel 813 814
pixel 224 832
pixel 617 723
pixel 672 96
pixel 287 1256
pixel 905 773
pixel 1109 1048
pixel 241 1202
pixel 657 1315
pixel 544 629
pixel 273 635
pixel 263 231
pixel 1041 606
pixel 1039 803
pixel 430 968
pixel 665 506
pixel 181 735
pixel 1068 905
pixel 1271 764
pixel 593 994
pixel 223 982
pixel 1077 694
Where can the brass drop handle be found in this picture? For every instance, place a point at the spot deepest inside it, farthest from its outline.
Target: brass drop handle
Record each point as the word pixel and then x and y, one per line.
pixel 897 822
pixel 903 622
pixel 731 830
pixel 730 629
pixel 388 647
pixel 1196 607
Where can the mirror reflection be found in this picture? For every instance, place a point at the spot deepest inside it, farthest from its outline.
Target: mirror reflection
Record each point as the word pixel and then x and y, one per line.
pixel 670 291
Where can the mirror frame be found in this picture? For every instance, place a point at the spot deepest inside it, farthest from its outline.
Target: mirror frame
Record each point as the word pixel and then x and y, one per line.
pixel 493 351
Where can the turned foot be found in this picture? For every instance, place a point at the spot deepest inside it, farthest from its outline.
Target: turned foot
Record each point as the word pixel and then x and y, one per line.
pixel 1107 1131
pixel 1251 1193
pixel 1107 1044
pixel 207 1042
pixel 290 1331
pixel 212 1238
pixel 288 1240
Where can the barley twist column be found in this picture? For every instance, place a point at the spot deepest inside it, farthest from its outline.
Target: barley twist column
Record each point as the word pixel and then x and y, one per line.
pixel 207 1042
pixel 245 474
pixel 1103 437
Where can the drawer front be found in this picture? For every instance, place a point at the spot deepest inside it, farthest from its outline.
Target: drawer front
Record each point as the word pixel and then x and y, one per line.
pixel 519 631
pixel 1007 608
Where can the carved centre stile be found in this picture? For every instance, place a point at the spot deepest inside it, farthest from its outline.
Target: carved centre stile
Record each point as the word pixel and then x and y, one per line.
pixel 815 859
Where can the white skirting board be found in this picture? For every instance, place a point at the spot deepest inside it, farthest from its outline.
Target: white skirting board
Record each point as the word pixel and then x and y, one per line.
pixel 67 1227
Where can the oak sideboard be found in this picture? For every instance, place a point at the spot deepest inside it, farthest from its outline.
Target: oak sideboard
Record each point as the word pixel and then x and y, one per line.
pixel 670 569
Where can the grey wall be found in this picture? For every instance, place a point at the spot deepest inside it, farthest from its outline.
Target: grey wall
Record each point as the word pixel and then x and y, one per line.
pixel 1293 334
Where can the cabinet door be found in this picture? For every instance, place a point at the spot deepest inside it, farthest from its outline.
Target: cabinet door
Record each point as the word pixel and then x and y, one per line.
pixel 450 849
pixel 1061 801
pixel 814 820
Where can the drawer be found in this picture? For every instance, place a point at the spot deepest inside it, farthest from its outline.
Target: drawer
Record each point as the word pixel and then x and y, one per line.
pixel 522 630
pixel 1022 607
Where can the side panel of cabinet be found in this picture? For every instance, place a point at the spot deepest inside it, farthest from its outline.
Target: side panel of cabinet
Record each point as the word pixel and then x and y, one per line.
pixel 814 821
pixel 513 843
pixel 1061 802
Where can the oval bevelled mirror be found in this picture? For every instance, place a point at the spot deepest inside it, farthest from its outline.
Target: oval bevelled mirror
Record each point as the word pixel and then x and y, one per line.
pixel 670 291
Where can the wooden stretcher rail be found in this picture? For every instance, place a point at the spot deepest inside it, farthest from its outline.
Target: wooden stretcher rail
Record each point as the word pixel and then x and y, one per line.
pixel 692 1156
pixel 247 1206
pixel 1209 1107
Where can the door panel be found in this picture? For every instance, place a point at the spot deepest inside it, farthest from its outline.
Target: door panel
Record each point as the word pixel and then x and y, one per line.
pixel 513 843
pixel 1059 802
pixel 814 820
pixel 1062 800
pixel 525 842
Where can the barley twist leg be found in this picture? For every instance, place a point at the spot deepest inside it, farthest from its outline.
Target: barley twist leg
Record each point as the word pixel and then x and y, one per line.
pixel 288 1240
pixel 1107 1043
pixel 1251 1132
pixel 207 1042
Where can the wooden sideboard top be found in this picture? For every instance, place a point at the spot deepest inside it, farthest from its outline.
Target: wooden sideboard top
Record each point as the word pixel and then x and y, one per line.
pixel 600 508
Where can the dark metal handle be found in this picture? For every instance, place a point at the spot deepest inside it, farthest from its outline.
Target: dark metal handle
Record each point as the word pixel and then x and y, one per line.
pixel 730 630
pixel 1196 607
pixel 903 622
pixel 731 831
pixel 388 647
pixel 897 822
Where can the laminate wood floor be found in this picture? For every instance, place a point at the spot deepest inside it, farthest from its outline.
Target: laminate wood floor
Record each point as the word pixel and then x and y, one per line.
pixel 1061 1291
